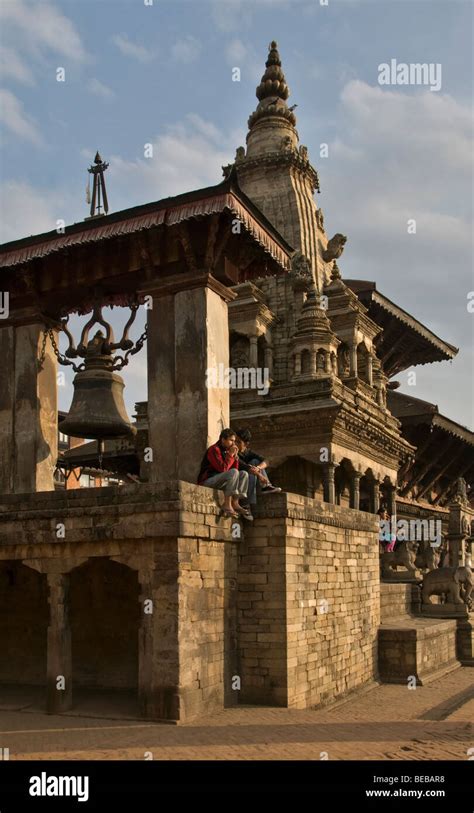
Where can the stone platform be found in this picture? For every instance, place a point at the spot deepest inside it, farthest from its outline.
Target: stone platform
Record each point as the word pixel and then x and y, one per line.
pixel 411 645
pixel 147 589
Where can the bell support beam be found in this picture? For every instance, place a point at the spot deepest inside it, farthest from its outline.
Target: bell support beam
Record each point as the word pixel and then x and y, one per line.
pixel 188 350
pixel 28 410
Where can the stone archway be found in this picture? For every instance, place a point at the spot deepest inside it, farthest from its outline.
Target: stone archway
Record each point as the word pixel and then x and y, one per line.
pixel 24 618
pixel 104 618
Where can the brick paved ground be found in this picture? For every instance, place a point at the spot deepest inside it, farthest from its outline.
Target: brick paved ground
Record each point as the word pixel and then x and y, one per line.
pixel 386 722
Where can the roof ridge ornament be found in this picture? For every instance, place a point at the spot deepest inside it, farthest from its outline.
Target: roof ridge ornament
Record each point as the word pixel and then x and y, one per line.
pixel 97 170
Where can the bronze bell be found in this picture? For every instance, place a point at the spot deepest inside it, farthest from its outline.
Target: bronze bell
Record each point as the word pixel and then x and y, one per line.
pixel 97 410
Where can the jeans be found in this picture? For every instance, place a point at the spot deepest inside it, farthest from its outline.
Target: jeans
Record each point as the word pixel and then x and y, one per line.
pixel 233 483
pixel 252 490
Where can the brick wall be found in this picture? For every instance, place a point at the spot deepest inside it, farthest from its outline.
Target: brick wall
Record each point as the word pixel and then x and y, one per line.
pixel 122 546
pixel 309 602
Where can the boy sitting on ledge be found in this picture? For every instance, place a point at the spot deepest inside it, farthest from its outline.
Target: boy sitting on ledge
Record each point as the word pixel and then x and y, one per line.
pixel 255 466
pixel 220 469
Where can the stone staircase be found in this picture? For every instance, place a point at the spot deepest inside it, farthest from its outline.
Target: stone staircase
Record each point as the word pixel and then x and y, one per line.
pixel 411 645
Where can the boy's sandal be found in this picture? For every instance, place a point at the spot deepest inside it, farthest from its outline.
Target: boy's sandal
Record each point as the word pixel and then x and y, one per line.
pixel 227 512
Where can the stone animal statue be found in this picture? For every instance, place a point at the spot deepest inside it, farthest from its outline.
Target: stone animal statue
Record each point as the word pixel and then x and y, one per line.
pixel 301 267
pixel 403 556
pixel 334 248
pixel 427 557
pixel 460 495
pixel 456 583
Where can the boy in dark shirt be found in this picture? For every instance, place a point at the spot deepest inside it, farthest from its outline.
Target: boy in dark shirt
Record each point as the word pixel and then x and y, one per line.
pixel 220 468
pixel 255 465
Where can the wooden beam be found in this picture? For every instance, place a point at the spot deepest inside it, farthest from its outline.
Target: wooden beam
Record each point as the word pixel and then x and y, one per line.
pixel 393 347
pixel 212 232
pixel 417 477
pixel 437 476
pixel 446 494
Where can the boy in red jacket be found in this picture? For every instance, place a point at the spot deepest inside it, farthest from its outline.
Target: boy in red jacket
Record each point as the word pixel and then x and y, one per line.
pixel 220 469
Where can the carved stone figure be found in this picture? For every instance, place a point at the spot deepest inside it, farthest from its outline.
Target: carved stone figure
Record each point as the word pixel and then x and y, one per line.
pixel 334 248
pixel 301 267
pixel 321 361
pixel 303 153
pixel 344 362
pixel 455 583
pixel 320 219
pixel 404 556
pixel 286 145
pixel 427 557
pixel 460 495
pixel 239 353
pixel 240 154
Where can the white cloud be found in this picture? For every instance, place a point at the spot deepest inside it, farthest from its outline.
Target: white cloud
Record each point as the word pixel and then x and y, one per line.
pixel 187 155
pixel 43 28
pixel 186 50
pixel 236 51
pixel 132 49
pixel 407 154
pixel 16 120
pixel 99 89
pixel 26 210
pixel 13 66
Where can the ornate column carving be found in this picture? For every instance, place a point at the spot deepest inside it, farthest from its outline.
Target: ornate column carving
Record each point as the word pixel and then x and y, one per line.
pixel 375 496
pixel 268 356
pixel 329 484
pixel 353 360
pixel 370 373
pixel 297 363
pixel 253 355
pixel 355 489
pixel 392 500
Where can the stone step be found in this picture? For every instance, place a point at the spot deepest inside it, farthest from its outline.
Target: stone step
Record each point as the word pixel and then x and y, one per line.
pixel 398 599
pixel 423 648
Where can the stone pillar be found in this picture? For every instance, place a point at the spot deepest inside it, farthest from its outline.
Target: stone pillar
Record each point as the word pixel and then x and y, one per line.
pixel 329 484
pixel 297 363
pixel 353 360
pixel 370 373
pixel 59 660
pixel 327 362
pixel 355 489
pixel 392 500
pixel 188 353
pixel 375 496
pixel 268 356
pixel 313 362
pixel 28 411
pixel 158 659
pixel 253 353
pixel 457 550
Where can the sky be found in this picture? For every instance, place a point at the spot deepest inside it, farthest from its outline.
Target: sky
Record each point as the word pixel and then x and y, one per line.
pixel 159 72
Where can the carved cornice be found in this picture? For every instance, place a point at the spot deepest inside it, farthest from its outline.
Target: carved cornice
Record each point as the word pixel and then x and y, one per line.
pixel 280 159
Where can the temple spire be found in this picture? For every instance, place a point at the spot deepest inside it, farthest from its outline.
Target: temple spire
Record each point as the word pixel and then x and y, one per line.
pixel 272 92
